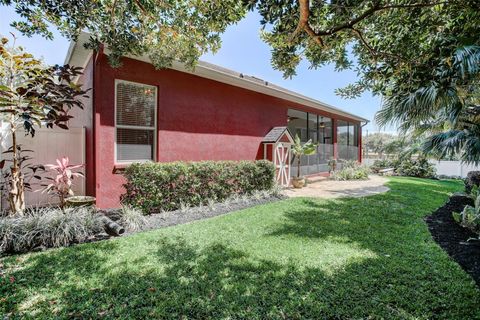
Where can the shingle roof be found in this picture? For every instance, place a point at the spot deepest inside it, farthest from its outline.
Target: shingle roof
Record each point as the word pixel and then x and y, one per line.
pixel 275 134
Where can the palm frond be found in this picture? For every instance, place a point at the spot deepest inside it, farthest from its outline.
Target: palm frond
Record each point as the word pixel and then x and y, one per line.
pixel 467 61
pixel 446 110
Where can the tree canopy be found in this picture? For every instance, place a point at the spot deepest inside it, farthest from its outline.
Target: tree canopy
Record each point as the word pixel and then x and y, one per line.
pixel 395 43
pixel 446 112
pixel 166 30
pixel 404 50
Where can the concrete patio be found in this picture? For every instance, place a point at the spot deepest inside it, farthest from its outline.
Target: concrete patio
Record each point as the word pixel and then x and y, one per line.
pixel 325 188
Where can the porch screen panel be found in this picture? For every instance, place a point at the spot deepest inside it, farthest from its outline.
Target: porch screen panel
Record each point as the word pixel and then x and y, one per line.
pixel 317 128
pixel 353 142
pixel 342 139
pixel 135 121
pixel 298 124
pixel 347 140
pixel 310 162
pixel 325 140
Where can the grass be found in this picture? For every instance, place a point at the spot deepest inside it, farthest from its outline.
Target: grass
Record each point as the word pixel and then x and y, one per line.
pixel 299 258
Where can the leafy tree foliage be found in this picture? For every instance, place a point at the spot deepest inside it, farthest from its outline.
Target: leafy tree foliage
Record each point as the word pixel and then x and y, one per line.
pixel 399 47
pixel 31 95
pixel 384 144
pixel 446 111
pixel 165 30
pixel 396 43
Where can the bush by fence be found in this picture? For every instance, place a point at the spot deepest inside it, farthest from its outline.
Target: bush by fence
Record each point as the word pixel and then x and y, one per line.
pixel 153 187
pixel 421 168
pixel 416 168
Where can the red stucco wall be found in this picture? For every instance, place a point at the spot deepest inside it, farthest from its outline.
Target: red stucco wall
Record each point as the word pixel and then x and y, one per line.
pixel 198 119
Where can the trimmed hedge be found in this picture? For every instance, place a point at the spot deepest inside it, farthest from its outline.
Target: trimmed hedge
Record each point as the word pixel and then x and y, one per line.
pixel 154 187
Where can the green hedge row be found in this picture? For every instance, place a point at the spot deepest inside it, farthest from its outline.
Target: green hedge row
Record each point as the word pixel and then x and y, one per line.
pixel 421 167
pixel 153 187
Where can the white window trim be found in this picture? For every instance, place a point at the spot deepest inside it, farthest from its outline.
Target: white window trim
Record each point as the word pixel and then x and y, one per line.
pixel 154 128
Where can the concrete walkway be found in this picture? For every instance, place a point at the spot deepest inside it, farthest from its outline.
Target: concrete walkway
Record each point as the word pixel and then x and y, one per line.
pixel 326 188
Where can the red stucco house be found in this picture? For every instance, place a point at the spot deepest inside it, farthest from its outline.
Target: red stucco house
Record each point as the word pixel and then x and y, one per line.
pixel 138 113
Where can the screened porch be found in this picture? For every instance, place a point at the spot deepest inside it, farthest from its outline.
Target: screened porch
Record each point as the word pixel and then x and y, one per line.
pixel 321 130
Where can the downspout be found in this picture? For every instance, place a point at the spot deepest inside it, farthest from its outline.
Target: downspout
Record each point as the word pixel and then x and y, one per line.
pixel 96 56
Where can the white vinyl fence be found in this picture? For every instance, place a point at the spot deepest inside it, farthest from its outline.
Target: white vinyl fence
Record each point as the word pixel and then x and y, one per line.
pixel 47 146
pixel 444 168
pixel 453 168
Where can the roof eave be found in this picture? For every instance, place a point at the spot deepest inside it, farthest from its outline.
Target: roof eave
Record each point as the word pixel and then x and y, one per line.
pixel 79 56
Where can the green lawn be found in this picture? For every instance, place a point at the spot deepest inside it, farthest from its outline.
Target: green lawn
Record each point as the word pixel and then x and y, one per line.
pixel 300 258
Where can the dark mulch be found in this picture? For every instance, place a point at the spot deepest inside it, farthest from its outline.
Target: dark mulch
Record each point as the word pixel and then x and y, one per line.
pixel 453 238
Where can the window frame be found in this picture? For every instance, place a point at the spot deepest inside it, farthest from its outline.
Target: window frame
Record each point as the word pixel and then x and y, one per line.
pixel 117 126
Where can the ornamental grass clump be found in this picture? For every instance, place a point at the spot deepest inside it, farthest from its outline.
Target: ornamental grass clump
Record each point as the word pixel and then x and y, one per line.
pixel 132 219
pixel 48 227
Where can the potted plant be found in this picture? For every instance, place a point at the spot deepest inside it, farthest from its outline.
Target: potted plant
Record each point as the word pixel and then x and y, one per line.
pixel 299 150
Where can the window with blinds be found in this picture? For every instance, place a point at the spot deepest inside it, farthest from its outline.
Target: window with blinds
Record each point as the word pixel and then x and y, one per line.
pixel 135 115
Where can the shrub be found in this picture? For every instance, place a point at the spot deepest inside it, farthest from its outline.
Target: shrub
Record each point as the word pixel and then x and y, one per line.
pixel 349 164
pixel 383 164
pixel 154 187
pixel 472 180
pixel 420 168
pixel 47 227
pixel 470 216
pixel 351 170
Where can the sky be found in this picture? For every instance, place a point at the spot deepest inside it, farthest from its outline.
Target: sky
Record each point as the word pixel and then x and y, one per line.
pixel 243 51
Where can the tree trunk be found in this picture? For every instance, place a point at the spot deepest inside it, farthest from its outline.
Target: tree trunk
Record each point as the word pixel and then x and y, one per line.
pixel 16 197
pixel 298 164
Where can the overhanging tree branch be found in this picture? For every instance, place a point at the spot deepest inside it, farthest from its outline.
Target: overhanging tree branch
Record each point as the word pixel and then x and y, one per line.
pixel 303 22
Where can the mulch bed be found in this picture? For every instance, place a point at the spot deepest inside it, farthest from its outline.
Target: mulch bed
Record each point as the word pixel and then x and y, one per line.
pixel 172 218
pixel 453 238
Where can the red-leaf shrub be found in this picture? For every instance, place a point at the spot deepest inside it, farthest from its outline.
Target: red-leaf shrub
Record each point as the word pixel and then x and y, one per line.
pixel 154 187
